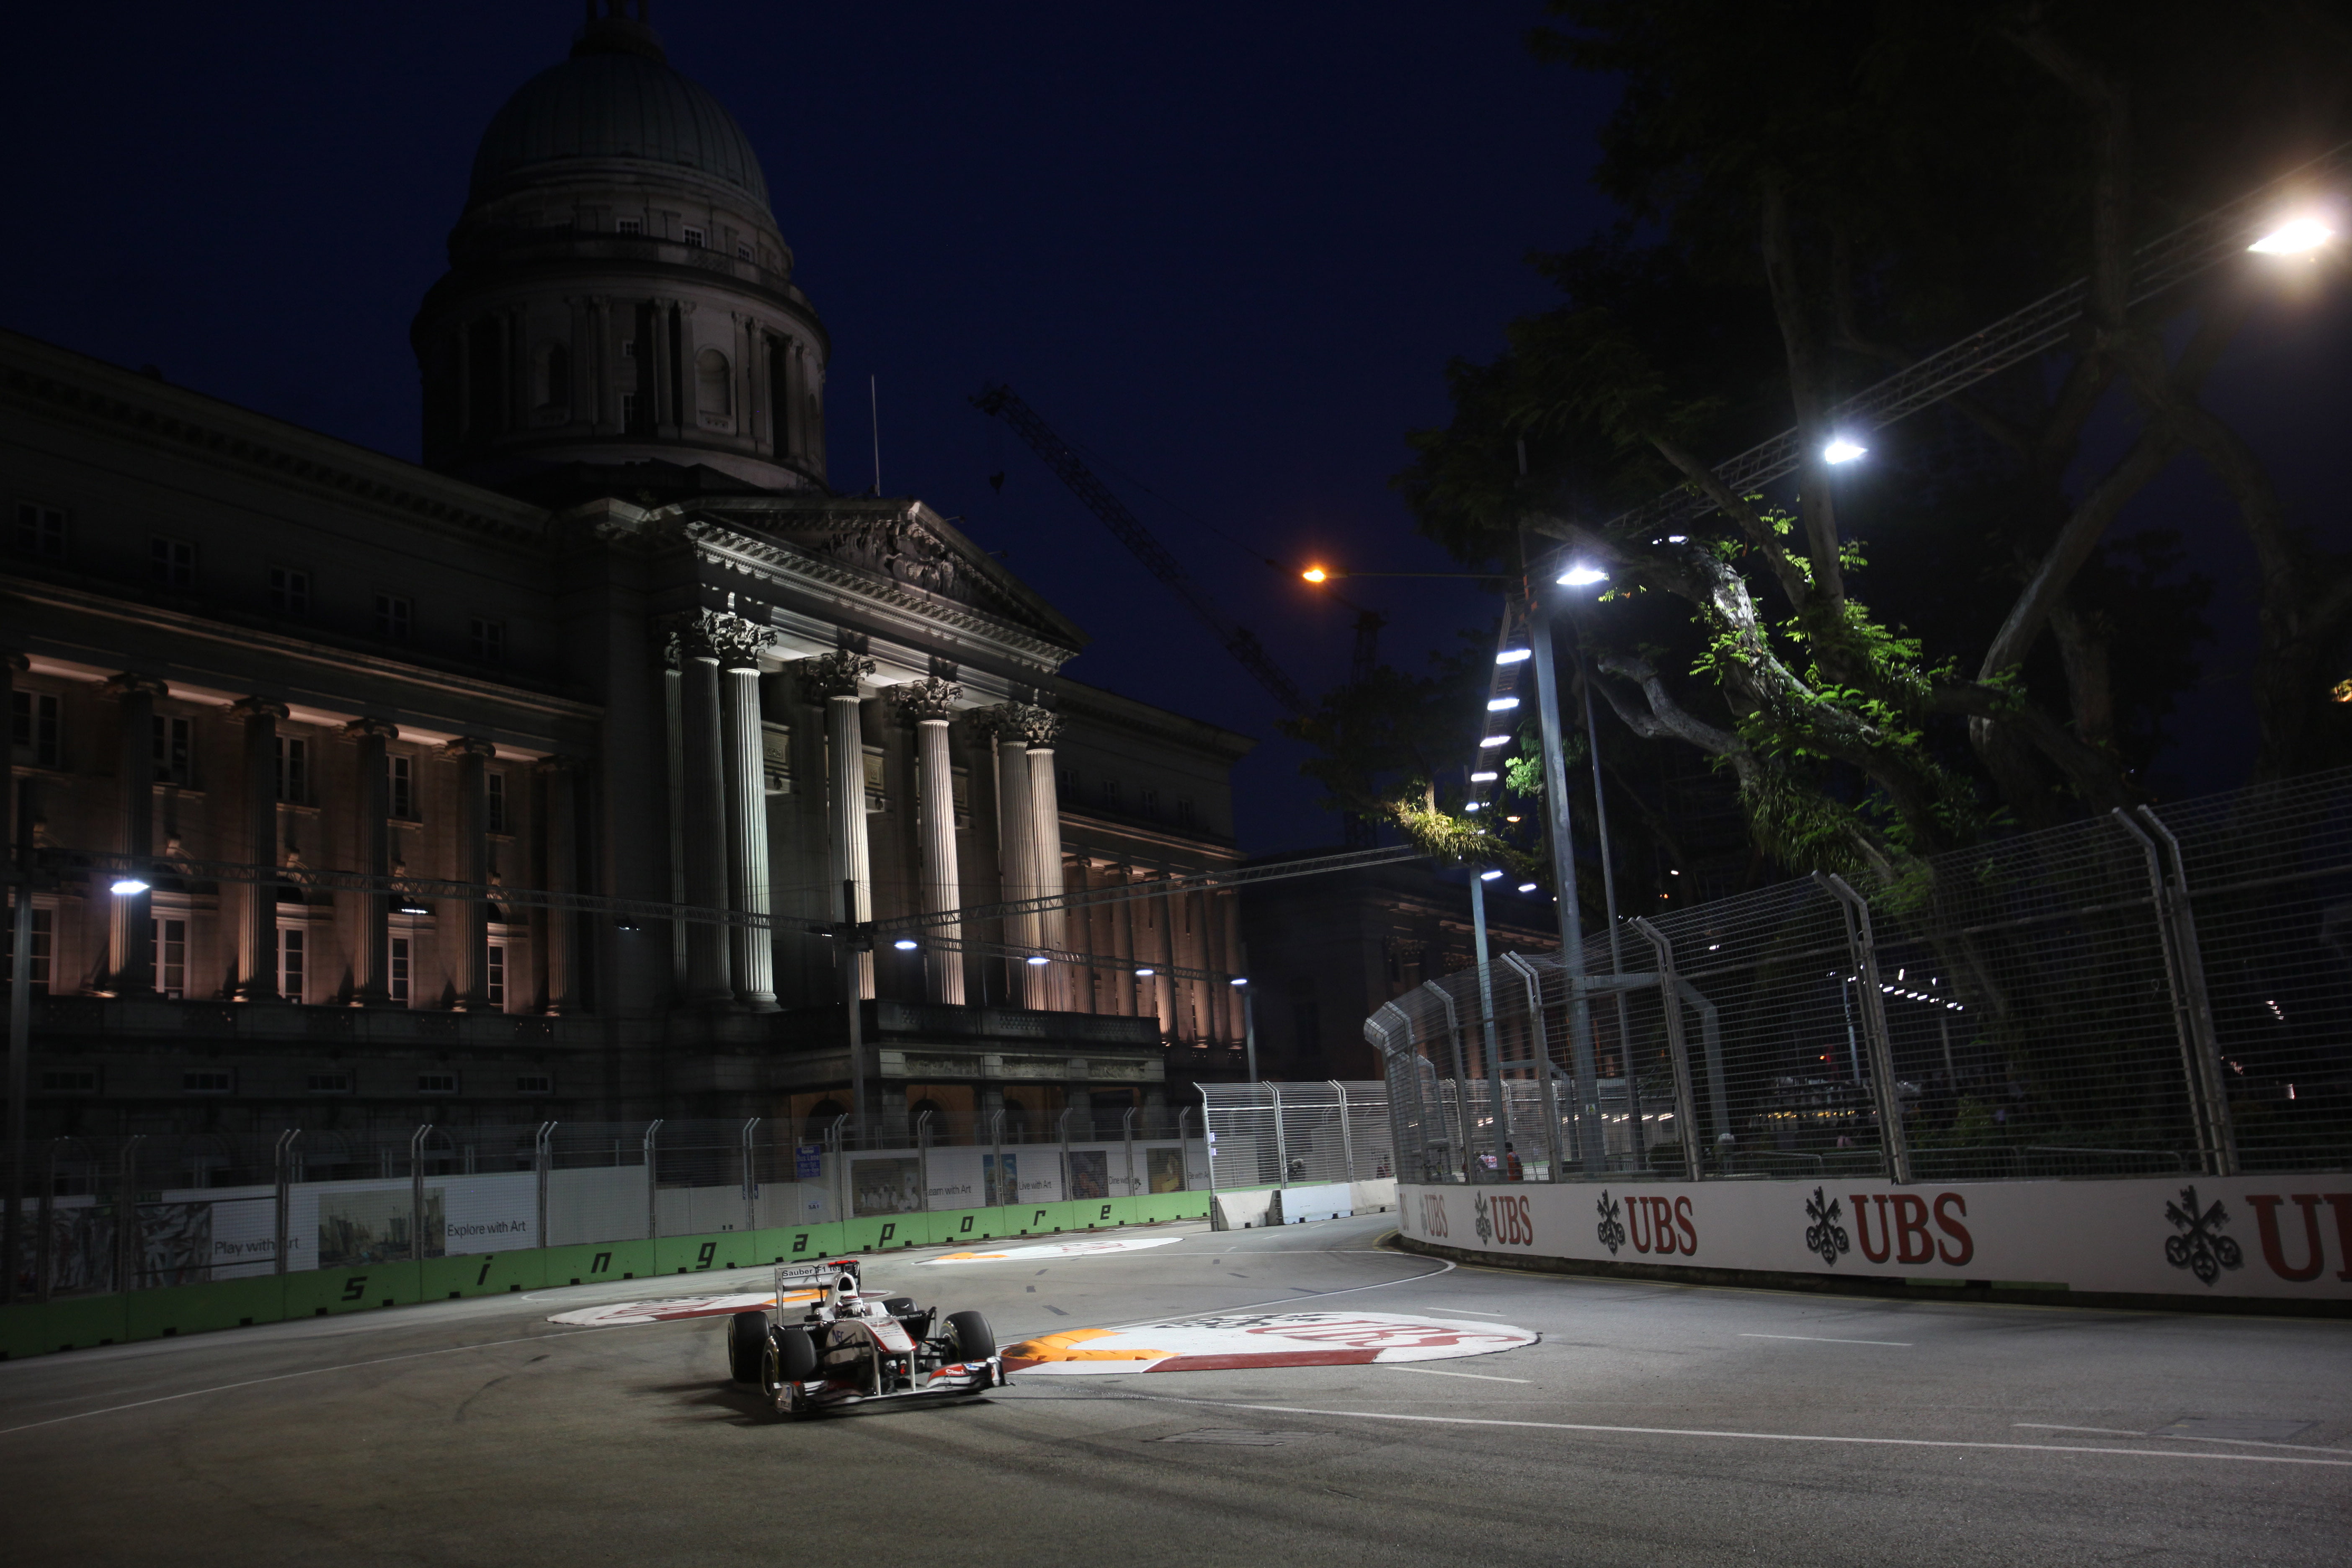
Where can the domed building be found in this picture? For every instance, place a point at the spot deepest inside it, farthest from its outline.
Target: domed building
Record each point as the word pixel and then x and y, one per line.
pixel 533 781
pixel 619 293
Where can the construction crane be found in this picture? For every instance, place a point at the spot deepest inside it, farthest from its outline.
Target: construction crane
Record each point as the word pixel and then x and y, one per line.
pixel 1005 404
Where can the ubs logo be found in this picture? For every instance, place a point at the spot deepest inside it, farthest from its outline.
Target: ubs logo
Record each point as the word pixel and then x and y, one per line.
pixel 1656 1225
pixel 1433 1213
pixel 1507 1220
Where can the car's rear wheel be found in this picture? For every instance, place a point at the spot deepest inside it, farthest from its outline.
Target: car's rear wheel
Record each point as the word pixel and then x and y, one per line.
pixel 788 1356
pixel 747 1341
pixel 972 1337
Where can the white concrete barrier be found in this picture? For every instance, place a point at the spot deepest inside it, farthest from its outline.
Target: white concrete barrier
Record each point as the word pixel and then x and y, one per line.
pixel 1374 1197
pixel 1296 1206
pixel 2274 1237
pixel 1240 1211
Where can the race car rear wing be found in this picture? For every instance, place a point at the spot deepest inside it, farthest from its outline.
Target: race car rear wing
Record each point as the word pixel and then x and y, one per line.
pixel 815 1276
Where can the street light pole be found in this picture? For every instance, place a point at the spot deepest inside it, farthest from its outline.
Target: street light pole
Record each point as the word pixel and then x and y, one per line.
pixel 1557 825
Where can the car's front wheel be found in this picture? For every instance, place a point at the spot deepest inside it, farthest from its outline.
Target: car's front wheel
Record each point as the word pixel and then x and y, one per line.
pixel 789 1356
pixel 972 1337
pixel 747 1341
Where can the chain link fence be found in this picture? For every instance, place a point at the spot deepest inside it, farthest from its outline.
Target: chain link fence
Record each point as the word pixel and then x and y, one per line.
pixel 2138 993
pixel 1297 1135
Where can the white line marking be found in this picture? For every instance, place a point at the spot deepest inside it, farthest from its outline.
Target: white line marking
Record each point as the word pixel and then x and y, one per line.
pixel 1291 1300
pixel 312 1371
pixel 1752 1436
pixel 1481 1376
pixel 2252 1443
pixel 1473 1311
pixel 2102 1431
pixel 1817 1340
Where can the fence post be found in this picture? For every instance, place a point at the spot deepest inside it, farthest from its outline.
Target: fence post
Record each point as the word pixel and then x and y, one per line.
pixel 1885 1089
pixel 1678 1048
pixel 542 1164
pixel 2219 1123
pixel 1540 1042
pixel 1062 1125
pixel 1281 1149
pixel 923 1160
pixel 1208 1137
pixel 653 1187
pixel 1390 1057
pixel 417 1192
pixel 1461 1079
pixel 751 1178
pixel 285 1179
pixel 127 1252
pixel 1347 1136
pixel 1183 1155
pixel 840 1141
pixel 1126 1136
pixel 996 1194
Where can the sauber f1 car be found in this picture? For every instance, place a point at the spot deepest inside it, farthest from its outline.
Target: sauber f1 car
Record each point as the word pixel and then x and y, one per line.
pixel 828 1344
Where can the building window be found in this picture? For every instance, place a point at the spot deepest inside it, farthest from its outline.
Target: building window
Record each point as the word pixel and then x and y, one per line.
pixel 33 728
pixel 714 389
pixel 633 226
pixel 776 758
pixel 173 748
pixel 742 252
pixel 328 1083
pixel 1068 783
pixel 211 1080
pixel 494 976
pixel 400 788
pixel 1110 794
pixel 628 411
pixel 1184 813
pixel 559 376
pixel 395 617
pixel 534 1083
pixel 40 532
pixel 174 562
pixel 170 938
pixel 693 236
pixel 436 1083
pixel 289 591
pixel 44 940
pixel 1148 802
pixel 69 1081
pixel 293 770
pixel 399 962
pixel 290 963
pixel 494 787
pixel 489 641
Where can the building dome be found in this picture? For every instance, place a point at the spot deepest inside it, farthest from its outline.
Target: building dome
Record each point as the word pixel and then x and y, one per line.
pixel 616 99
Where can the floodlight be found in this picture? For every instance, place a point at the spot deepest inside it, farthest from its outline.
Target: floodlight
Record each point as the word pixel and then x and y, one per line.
pixel 1527 887
pixel 1039 960
pixel 1496 740
pixel 421 909
pixel 2297 236
pixel 1581 576
pixel 1501 704
pixel 1316 575
pixel 1842 450
pixel 1513 655
pixel 124 886
pixel 906 944
pixel 1488 876
pixel 1239 980
pixel 1484 778
pixel 1145 974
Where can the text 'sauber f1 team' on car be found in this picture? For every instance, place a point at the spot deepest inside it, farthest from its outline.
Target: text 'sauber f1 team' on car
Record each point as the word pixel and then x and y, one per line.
pixel 851 1346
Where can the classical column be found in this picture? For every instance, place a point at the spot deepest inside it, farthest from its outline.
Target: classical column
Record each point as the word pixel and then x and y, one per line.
pixel 700 833
pixel 1020 931
pixel 371 806
pixel 1081 982
pixel 130 942
pixel 929 703
pixel 834 676
pixel 1122 941
pixel 256 902
pixel 1229 921
pixel 467 920
pixel 1163 986
pixel 1040 727
pixel 12 665
pixel 751 950
pixel 558 855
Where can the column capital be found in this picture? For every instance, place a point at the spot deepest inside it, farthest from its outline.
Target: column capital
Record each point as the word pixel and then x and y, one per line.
pixel 728 639
pixel 466 746
pixel 258 708
pixel 375 729
pixel 927 700
pixel 1023 721
pixel 131 683
pixel 835 674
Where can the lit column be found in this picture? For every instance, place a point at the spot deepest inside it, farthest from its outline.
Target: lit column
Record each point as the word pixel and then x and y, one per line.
pixel 929 702
pixel 371 801
pixel 834 676
pixel 1079 984
pixel 750 949
pixel 559 779
pixel 1013 844
pixel 1163 985
pixel 1122 943
pixel 702 836
pixel 256 935
pixel 130 942
pixel 1229 922
pixel 469 919
pixel 1040 727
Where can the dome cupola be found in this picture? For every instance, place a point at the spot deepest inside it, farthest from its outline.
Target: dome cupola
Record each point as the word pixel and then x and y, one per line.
pixel 619 293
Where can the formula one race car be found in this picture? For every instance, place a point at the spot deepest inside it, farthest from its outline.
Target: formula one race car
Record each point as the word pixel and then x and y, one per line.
pixel 848 1346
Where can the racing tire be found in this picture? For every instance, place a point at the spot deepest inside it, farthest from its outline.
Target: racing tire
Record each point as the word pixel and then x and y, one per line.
pixel 747 1341
pixel 973 1339
pixel 789 1356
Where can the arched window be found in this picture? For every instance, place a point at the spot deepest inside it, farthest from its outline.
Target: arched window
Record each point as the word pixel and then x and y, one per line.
pixel 558 385
pixel 713 387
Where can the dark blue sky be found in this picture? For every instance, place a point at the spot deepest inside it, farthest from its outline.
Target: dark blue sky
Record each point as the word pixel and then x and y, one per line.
pixel 1230 250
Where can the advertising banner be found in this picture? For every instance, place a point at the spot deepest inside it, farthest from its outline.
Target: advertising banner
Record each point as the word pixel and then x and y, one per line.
pixel 2269 1236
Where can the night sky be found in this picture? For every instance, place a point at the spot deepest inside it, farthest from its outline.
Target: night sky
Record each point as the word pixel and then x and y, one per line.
pixel 1228 251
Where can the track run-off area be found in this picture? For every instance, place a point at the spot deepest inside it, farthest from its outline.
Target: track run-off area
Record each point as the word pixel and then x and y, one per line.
pixel 1610 1422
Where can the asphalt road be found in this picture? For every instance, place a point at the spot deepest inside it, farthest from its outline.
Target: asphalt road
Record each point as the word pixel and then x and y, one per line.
pixel 1652 1425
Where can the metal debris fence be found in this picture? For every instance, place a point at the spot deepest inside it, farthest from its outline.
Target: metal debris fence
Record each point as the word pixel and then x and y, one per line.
pixel 1297 1135
pixel 2137 994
